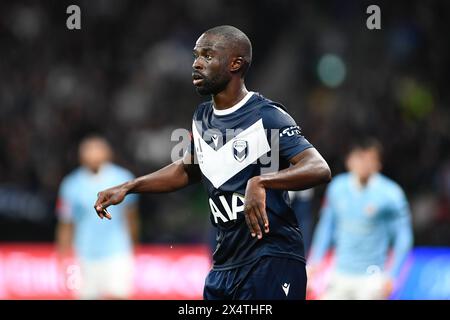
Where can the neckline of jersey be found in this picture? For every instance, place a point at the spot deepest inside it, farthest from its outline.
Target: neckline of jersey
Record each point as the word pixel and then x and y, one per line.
pixel 235 107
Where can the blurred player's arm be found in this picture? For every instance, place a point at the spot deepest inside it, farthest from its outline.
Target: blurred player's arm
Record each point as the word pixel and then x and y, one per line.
pixel 308 169
pixel 64 212
pixel 132 214
pixel 175 176
pixel 64 238
pixel 400 228
pixel 323 234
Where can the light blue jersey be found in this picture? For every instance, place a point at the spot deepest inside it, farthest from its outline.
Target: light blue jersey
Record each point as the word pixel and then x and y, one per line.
pixel 95 238
pixel 363 223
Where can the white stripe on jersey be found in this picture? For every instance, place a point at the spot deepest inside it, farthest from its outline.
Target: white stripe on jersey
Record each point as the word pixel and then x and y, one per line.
pixel 221 165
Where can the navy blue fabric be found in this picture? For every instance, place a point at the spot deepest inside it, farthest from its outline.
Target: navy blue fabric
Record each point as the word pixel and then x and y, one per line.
pixel 235 246
pixel 269 278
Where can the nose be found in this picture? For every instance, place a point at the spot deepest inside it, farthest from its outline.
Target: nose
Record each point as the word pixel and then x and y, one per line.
pixel 197 64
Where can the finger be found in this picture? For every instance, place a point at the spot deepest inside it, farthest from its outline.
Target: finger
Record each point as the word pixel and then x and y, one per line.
pixel 265 219
pixel 107 214
pixel 262 222
pixel 249 225
pixel 98 209
pixel 258 216
pixel 255 224
pixel 102 206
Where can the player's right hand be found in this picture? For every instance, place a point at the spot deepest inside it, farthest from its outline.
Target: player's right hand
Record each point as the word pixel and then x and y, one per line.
pixel 106 198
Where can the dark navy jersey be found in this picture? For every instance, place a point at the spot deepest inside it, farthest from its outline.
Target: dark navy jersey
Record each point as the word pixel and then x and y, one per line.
pixel 254 137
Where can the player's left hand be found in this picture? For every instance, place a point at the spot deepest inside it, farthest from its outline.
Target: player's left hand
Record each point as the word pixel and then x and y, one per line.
pixel 255 207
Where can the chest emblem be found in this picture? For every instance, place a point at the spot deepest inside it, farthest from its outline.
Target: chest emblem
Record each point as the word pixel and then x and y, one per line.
pixel 370 210
pixel 240 150
pixel 220 165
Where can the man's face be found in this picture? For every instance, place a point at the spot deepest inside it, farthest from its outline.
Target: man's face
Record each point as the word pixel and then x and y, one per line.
pixel 210 68
pixel 93 154
pixel 364 162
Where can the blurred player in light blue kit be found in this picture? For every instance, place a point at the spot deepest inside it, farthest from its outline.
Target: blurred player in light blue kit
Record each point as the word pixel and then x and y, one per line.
pixel 106 266
pixel 365 214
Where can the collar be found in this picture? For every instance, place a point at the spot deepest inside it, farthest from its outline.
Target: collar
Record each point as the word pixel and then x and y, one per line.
pixel 234 108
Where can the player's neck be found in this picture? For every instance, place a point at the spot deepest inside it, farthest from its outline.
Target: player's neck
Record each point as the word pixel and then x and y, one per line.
pixel 233 93
pixel 362 182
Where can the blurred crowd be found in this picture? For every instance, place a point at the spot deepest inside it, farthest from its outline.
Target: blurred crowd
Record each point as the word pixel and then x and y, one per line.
pixel 126 75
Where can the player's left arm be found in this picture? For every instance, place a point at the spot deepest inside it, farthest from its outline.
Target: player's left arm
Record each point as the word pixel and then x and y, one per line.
pixel 308 169
pixel 132 215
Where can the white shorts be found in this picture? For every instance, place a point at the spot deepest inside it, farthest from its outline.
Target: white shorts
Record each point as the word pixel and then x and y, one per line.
pixel 355 287
pixel 107 278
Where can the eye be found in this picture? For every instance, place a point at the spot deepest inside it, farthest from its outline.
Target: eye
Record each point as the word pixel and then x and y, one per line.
pixel 208 57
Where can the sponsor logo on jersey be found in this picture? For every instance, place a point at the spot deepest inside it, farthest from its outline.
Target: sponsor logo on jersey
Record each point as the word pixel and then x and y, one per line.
pixel 229 211
pixel 290 131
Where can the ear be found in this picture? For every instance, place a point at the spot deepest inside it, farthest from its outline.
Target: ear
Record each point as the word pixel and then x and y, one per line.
pixel 236 64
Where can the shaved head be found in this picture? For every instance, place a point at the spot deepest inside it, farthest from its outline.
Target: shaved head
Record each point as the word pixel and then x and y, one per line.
pixel 222 57
pixel 236 41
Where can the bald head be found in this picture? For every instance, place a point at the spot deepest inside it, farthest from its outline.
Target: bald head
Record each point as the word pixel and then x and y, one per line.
pixel 236 41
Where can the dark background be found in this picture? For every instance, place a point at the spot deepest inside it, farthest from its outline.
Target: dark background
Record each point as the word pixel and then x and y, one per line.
pixel 126 75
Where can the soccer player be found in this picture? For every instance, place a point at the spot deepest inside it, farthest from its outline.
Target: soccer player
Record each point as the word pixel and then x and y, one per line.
pixel 364 213
pixel 106 270
pixel 259 252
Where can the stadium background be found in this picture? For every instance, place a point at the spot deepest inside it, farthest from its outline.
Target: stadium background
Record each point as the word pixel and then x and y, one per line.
pixel 126 75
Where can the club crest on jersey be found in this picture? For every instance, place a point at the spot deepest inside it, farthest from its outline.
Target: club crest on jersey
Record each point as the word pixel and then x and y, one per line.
pixel 240 150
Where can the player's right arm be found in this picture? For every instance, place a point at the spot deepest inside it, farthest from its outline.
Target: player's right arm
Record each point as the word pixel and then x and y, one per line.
pixel 173 177
pixel 65 214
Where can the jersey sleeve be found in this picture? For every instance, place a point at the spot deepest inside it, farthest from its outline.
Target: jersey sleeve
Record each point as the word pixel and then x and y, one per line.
pixel 65 203
pixel 290 140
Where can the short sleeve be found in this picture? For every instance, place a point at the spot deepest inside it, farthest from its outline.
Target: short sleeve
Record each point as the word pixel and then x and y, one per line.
pixel 399 206
pixel 289 136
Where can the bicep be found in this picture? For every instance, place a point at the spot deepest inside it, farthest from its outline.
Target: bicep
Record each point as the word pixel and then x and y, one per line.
pixel 309 154
pixel 190 166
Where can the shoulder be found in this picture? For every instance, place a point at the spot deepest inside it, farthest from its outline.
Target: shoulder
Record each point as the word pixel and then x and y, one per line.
pixel 338 185
pixel 274 114
pixel 120 171
pixel 339 181
pixel 269 107
pixel 391 188
pixel 71 180
pixel 201 109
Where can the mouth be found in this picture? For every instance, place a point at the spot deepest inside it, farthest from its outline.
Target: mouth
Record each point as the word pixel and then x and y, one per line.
pixel 197 79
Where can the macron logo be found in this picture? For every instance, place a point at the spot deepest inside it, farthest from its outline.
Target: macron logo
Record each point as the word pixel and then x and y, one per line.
pixel 215 139
pixel 285 288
